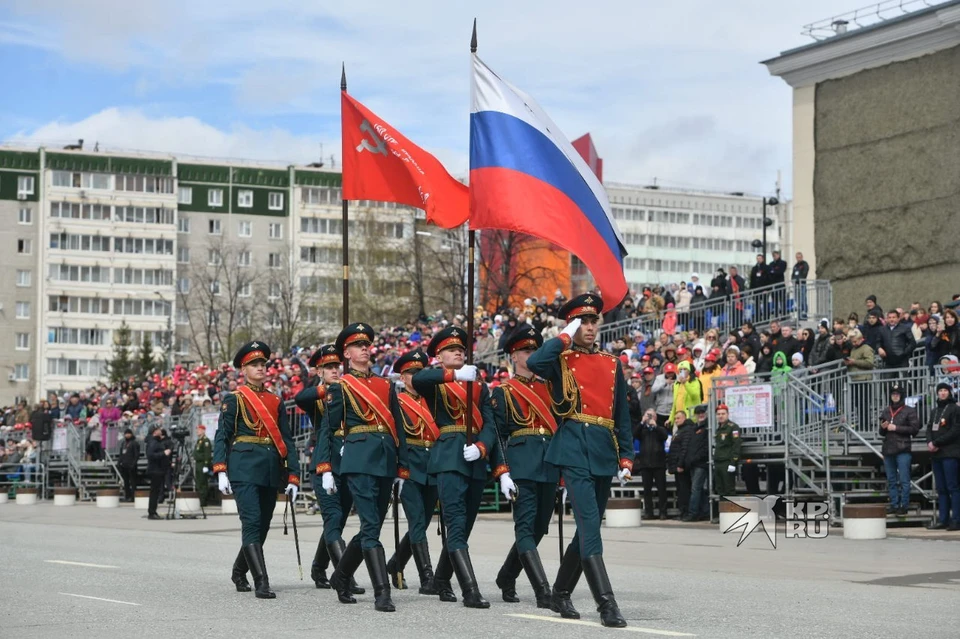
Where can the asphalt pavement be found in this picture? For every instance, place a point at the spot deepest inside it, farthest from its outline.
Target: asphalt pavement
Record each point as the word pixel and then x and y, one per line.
pixel 81 571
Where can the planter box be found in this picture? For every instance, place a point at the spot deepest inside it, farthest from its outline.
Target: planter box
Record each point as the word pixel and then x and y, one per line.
pixel 4 497
pixel 865 521
pixel 730 514
pixel 228 505
pixel 624 513
pixel 108 498
pixel 188 501
pixel 26 496
pixel 64 496
pixel 141 499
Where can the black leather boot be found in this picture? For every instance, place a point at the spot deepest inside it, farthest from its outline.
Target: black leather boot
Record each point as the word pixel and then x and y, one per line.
pixel 507 577
pixel 261 582
pixel 335 551
pixel 567 578
pixel 239 574
pixel 531 563
pixel 397 563
pixel 421 557
pixel 468 580
pixel 318 570
pixel 441 580
pixel 341 578
pixel 596 574
pixel 377 567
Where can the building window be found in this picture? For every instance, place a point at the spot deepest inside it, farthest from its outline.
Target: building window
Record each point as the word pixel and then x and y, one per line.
pixel 276 231
pixel 23 310
pixel 183 255
pixel 215 197
pixel 243 258
pixel 21 372
pixel 25 185
pixel 182 316
pixel 183 224
pixel 214 227
pixel 25 217
pixel 24 278
pixel 183 285
pixel 23 341
pixel 274 291
pixel 183 345
pixel 245 198
pixel 245 229
pixel 276 202
pixel 273 260
pixel 185 195
pixel 244 290
pixel 214 257
pixel 215 287
pixel 24 247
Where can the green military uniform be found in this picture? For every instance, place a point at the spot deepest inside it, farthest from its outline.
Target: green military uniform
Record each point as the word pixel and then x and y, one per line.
pixel 202 461
pixel 374 457
pixel 247 447
pixel 527 428
pixel 726 453
pixel 593 443
pixel 460 483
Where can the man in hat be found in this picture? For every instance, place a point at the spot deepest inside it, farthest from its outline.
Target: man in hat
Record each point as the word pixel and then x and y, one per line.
pixel 460 467
pixel 592 443
pixel 202 461
pixel 525 422
pixel 419 494
pixel 373 459
pixel 253 455
pixel 695 461
pixel 726 453
pixel 333 508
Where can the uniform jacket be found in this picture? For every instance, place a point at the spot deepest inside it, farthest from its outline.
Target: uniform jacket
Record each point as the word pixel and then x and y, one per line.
pixel 418 457
pixel 525 454
pixel 434 384
pixel 313 402
pixel 908 424
pixel 256 464
pixel 727 444
pixel 591 384
pixel 203 453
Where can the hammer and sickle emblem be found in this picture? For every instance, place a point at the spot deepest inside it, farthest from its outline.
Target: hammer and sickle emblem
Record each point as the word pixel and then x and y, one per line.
pixel 377 146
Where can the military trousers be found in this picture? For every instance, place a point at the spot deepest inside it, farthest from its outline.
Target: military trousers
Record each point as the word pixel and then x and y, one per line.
pixel 334 509
pixel 371 496
pixel 202 482
pixel 588 495
pixel 418 504
pixel 532 512
pixel 724 482
pixel 460 498
pixel 255 505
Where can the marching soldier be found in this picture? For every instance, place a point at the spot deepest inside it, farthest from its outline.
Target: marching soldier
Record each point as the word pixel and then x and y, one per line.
pixel 524 419
pixel 461 469
pixel 373 459
pixel 333 508
pixel 202 461
pixel 253 455
pixel 726 453
pixel 593 443
pixel 419 494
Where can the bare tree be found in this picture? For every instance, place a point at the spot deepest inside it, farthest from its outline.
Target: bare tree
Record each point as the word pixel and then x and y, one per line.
pixel 514 265
pixel 300 306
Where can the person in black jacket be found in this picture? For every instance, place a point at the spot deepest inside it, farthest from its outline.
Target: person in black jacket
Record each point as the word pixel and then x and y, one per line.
pixel 652 460
pixel 41 431
pixel 943 440
pixel 158 464
pixel 821 344
pixel 898 424
pixel 696 461
pixel 675 457
pixel 777 274
pixel 129 455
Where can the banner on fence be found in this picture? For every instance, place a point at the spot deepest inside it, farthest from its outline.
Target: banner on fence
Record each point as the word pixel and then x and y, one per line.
pixel 59 439
pixel 750 406
pixel 211 421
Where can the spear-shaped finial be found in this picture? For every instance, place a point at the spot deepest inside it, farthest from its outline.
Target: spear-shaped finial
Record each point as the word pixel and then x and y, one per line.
pixel 473 38
pixel 343 77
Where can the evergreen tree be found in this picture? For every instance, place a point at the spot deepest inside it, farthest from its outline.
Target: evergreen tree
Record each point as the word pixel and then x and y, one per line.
pixel 146 356
pixel 121 365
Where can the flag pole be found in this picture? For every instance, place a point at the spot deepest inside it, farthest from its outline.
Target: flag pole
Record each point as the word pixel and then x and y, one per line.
pixel 345 232
pixel 471 245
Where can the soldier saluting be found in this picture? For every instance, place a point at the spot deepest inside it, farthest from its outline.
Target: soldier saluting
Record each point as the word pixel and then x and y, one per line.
pixel 524 419
pixel 593 443
pixel 253 454
pixel 373 459
pixel 333 508
pixel 419 494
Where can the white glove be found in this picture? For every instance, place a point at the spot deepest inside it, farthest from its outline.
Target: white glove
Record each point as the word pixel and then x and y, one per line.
pixel 507 487
pixel 563 496
pixel 398 482
pixel 731 469
pixel 328 483
pixel 624 476
pixel 571 328
pixel 224 484
pixel 466 373
pixel 471 453
pixel 205 470
pixel 292 491
pixel 341 450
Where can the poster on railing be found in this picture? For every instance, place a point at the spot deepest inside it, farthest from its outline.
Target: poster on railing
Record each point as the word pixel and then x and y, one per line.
pixel 750 406
pixel 59 439
pixel 210 420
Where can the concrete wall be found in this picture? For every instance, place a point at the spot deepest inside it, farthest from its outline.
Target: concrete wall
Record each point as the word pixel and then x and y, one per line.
pixel 887 182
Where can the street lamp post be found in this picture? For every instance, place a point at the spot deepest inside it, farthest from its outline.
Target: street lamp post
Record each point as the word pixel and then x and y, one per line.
pixel 767 201
pixel 169 333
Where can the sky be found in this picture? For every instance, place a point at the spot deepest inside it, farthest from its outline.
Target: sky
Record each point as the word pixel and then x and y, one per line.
pixel 672 91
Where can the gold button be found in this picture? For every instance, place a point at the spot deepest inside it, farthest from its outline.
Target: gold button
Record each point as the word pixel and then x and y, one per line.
pixel 379 429
pixel 542 431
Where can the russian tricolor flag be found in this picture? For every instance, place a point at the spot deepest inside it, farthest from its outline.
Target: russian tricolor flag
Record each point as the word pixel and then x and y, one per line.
pixel 526 177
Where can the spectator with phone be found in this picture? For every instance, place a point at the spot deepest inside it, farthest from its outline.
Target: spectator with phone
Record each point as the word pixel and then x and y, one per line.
pixel 652 460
